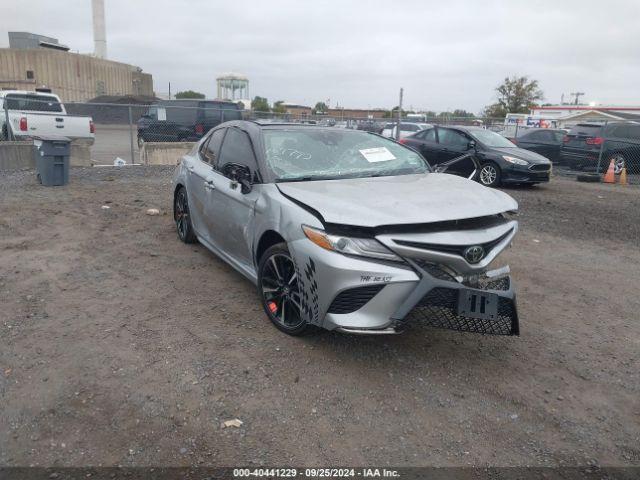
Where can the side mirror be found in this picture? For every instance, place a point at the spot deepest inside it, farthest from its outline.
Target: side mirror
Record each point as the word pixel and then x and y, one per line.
pixel 239 174
pixel 245 185
pixel 471 145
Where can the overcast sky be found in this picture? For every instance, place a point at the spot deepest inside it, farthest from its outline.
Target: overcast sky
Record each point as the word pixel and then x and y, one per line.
pixel 446 54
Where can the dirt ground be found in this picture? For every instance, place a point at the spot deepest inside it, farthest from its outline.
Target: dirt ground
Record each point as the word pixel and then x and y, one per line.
pixel 119 345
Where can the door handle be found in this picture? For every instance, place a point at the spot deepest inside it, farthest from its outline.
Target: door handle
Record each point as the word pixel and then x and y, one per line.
pixel 209 185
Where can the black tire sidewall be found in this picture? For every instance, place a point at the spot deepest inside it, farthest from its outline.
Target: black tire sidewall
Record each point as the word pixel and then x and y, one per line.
pixel 190 236
pixel 496 182
pixel 282 249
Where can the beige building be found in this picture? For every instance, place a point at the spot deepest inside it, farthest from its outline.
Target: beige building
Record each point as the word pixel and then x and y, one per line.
pixel 72 76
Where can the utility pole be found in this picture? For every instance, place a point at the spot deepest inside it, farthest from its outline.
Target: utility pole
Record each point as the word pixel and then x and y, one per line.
pixel 399 115
pixel 169 90
pixel 577 95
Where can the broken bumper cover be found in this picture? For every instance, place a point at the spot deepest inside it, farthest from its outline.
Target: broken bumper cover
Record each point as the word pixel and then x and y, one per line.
pixel 439 301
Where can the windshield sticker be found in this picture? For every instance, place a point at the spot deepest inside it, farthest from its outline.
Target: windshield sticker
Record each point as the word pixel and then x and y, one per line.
pixel 379 154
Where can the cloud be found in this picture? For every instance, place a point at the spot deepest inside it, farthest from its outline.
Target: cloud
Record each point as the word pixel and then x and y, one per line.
pixel 359 53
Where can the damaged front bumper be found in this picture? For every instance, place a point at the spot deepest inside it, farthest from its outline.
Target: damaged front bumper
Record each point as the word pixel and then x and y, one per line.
pixel 434 286
pixel 440 301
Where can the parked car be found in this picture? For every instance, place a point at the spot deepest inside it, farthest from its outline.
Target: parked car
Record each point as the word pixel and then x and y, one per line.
pixel 347 230
pixel 406 129
pixel 184 120
pixel 40 114
pixel 500 160
pixel 370 126
pixel 545 141
pixel 618 141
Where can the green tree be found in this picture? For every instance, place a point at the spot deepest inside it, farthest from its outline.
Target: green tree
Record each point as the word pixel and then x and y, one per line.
pixel 278 107
pixel 393 113
pixel 260 104
pixel 189 94
pixel 515 95
pixel 459 113
pixel 320 108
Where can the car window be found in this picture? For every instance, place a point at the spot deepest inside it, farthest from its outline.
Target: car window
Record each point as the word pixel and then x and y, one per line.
pixel 211 147
pixel 452 138
pixel 33 103
pixel 544 136
pixel 420 135
pixel 558 136
pixel 430 135
pixel 586 130
pixel 628 130
pixel 634 132
pixel 237 148
pixel 409 127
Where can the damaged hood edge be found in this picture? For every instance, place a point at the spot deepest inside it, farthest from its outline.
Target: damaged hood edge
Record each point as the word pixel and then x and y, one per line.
pixel 398 200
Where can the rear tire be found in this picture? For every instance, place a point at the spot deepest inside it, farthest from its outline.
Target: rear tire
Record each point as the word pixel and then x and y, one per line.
pixel 182 218
pixel 279 291
pixel 490 175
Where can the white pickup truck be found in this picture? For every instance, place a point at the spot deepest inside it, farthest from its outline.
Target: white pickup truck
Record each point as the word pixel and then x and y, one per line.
pixel 38 114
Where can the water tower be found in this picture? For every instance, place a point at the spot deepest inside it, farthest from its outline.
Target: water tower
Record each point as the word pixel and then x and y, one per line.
pixel 232 86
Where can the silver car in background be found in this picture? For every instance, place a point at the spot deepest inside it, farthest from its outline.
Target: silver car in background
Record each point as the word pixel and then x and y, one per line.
pixel 346 230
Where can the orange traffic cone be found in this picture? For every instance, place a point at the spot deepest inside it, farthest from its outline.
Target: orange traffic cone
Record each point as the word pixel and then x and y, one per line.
pixel 610 176
pixel 623 176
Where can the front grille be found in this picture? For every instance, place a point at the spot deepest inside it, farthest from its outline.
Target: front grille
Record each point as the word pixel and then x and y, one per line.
pixel 438 309
pixel 540 167
pixel 353 299
pixel 434 270
pixel 453 249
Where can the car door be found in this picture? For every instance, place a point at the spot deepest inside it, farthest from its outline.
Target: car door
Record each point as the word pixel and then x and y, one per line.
pixel 199 168
pixel 426 143
pixel 231 211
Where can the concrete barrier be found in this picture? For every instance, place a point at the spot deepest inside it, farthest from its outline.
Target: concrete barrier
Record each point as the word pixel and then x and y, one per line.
pixel 19 155
pixel 163 153
pixel 16 156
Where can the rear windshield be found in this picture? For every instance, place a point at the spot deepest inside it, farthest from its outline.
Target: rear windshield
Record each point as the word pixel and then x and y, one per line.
pixel 586 130
pixel 33 103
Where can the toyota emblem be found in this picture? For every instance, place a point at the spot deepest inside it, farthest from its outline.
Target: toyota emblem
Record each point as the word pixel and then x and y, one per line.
pixel 474 254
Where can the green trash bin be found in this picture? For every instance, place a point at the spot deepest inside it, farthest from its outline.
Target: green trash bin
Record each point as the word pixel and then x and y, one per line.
pixel 52 160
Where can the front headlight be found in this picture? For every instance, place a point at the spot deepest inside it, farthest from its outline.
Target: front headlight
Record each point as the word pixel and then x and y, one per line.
pixel 515 160
pixel 362 247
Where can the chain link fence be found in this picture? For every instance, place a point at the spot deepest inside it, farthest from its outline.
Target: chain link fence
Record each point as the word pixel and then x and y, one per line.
pixel 121 130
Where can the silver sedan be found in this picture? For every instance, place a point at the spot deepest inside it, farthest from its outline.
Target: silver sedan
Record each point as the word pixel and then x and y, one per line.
pixel 347 230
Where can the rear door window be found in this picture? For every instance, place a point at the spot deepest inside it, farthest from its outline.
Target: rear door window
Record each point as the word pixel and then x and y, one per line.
pixel 211 148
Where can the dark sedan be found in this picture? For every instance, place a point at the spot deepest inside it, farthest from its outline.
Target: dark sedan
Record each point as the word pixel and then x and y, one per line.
pixel 545 141
pixel 500 160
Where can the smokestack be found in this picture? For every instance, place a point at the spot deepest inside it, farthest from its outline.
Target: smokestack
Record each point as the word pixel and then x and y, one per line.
pixel 99 29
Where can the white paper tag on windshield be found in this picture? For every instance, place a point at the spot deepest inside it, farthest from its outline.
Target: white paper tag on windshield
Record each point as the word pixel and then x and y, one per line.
pixel 379 154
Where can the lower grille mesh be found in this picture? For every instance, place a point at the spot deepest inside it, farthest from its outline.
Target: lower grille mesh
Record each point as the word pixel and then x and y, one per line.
pixel 353 299
pixel 438 309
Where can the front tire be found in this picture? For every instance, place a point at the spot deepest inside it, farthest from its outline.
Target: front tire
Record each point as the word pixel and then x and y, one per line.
pixel 490 175
pixel 279 291
pixel 182 218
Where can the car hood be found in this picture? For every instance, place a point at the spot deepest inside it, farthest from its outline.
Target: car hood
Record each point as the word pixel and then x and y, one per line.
pixel 403 199
pixel 528 155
